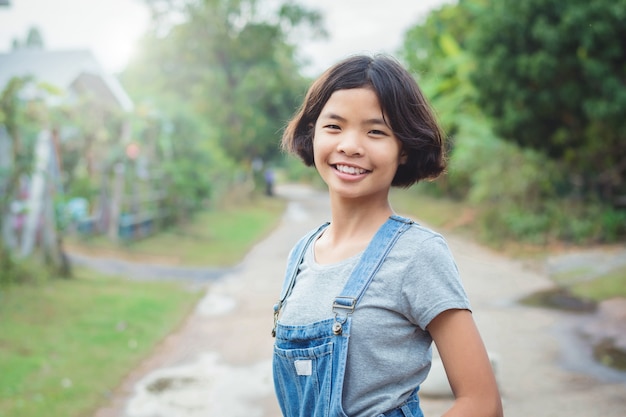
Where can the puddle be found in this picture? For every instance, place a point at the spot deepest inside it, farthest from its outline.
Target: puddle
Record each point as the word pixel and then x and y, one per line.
pixel 215 305
pixel 561 299
pixel 205 387
pixel 601 357
pixel 168 384
pixel 607 353
pixel 577 354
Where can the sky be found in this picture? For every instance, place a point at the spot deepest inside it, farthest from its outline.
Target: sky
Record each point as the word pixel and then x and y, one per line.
pixel 111 28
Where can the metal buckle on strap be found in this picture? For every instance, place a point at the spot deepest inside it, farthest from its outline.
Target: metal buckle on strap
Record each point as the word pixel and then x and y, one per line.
pixel 344 303
pixel 347 305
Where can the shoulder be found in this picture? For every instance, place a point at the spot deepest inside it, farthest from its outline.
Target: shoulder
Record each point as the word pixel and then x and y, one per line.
pixel 420 232
pixel 420 251
pixel 418 239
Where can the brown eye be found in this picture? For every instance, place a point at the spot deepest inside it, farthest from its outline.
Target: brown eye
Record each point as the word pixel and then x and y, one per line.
pixel 376 132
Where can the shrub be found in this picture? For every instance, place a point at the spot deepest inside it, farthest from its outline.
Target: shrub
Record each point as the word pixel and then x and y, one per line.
pixel 15 271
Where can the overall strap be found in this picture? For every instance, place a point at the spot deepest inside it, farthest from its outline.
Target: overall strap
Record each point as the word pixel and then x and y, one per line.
pixel 295 258
pixel 369 264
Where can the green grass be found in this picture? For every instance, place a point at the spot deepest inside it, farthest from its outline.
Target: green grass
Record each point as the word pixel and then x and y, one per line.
pixel 66 344
pixel 607 286
pixel 572 276
pixel 215 238
pixel 436 212
pixel 219 238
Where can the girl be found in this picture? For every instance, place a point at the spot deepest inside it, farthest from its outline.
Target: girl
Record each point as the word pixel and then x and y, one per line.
pixel 366 294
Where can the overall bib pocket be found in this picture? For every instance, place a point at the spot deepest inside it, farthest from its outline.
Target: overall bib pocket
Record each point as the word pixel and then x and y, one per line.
pixel 304 377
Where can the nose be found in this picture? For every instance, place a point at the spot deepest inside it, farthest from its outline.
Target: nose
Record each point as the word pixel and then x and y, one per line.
pixel 350 144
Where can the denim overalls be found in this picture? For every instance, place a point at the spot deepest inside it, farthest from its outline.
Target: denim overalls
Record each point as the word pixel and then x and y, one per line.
pixel 309 361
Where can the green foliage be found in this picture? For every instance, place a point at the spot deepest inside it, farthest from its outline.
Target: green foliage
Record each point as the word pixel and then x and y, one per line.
pixel 215 82
pixel 496 171
pixel 521 192
pixel 564 220
pixel 296 171
pixel 232 63
pixel 436 52
pixel 552 74
pixel 508 222
pixel 82 187
pixel 613 223
pixel 14 271
pixel 19 119
pixel 33 40
pixel 194 167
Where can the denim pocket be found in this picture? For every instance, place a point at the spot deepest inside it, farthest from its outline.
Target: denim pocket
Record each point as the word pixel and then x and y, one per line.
pixel 303 380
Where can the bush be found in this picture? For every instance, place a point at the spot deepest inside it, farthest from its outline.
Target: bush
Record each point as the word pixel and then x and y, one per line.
pixel 500 223
pixel 613 223
pixel 14 271
pixel 554 219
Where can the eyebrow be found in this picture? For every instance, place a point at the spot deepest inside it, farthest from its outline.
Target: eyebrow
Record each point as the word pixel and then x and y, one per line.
pixel 373 121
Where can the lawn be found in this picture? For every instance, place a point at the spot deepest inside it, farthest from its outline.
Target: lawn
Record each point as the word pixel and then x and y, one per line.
pixel 66 344
pixel 612 284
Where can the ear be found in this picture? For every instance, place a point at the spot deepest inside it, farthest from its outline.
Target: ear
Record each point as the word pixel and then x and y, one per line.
pixel 404 157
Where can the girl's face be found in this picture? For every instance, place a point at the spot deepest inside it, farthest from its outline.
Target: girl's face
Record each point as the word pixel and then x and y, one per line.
pixel 356 153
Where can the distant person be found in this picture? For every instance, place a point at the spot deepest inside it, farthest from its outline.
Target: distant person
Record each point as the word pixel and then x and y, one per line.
pixel 366 294
pixel 269 182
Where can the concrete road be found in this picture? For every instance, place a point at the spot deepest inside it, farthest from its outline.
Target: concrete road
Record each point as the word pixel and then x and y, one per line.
pixel 219 362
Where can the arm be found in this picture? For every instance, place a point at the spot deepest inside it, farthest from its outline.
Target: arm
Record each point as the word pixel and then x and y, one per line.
pixel 467 365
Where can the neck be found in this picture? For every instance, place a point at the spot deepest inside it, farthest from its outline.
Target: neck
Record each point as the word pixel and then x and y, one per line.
pixel 357 219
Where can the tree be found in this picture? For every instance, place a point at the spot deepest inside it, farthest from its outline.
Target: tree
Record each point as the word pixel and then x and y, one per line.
pixel 231 60
pixel 34 40
pixel 552 75
pixel 436 51
pixel 12 113
pixel 22 114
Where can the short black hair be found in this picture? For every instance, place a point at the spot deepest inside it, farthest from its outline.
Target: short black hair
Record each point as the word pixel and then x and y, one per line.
pixel 403 104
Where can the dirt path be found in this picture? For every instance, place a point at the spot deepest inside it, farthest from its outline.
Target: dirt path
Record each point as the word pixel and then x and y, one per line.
pixel 219 362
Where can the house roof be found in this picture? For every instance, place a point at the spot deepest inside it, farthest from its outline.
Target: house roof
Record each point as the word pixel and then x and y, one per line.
pixel 62 69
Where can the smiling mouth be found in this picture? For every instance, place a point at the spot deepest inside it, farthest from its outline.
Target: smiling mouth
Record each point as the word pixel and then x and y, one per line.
pixel 350 170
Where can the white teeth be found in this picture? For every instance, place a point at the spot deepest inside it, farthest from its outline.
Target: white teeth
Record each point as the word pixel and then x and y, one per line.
pixel 350 170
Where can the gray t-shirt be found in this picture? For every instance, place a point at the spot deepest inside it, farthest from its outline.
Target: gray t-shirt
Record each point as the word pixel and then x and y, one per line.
pixel 389 351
